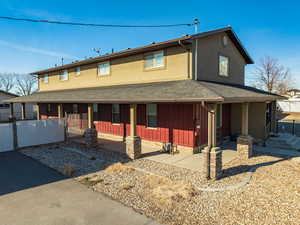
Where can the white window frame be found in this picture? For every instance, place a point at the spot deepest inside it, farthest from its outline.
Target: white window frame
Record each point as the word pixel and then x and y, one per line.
pixel 45 78
pixel 221 60
pixel 151 60
pixel 149 114
pixel 115 112
pixel 77 71
pixel 64 75
pixel 100 71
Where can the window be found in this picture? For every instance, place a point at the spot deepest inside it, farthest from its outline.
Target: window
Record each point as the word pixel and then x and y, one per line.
pixel 152 115
pixel 104 68
pixel 75 108
pixel 4 106
pixel 95 107
pixel 223 66
pixel 115 113
pixel 219 116
pixel 154 60
pixel 45 78
pixel 63 75
pixel 77 70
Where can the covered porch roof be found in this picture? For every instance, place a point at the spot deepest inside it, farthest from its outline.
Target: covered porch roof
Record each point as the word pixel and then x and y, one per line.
pixel 187 91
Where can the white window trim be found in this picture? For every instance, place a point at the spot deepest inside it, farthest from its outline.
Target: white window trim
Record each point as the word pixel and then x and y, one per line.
pixel 154 66
pixel 112 114
pixel 61 73
pixel 147 121
pixel 98 69
pixel 219 64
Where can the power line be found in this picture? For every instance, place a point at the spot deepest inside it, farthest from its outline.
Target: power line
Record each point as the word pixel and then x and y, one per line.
pixel 94 24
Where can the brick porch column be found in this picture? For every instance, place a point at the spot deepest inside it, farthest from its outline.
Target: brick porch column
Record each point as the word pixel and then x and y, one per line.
pixel 212 155
pixel 133 142
pixel 245 141
pixel 90 134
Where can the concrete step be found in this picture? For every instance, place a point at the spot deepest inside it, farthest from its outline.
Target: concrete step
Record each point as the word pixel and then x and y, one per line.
pixel 284 141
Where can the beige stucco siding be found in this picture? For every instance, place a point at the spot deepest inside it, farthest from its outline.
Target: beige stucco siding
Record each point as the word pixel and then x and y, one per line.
pixel 126 70
pixel 209 49
pixel 257 119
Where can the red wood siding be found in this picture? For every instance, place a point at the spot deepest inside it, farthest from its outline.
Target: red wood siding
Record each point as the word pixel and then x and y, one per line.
pixel 44 111
pixel 200 117
pixel 175 123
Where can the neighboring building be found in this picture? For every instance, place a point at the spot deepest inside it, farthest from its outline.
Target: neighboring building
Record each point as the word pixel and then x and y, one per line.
pixel 189 92
pixel 294 92
pixel 5 108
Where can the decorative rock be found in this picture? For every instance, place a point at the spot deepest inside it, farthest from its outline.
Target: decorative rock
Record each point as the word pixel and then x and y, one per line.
pixel 133 147
pixel 90 136
pixel 244 146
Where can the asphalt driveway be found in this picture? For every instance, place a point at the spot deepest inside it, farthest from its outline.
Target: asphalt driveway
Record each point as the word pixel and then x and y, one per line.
pixel 31 193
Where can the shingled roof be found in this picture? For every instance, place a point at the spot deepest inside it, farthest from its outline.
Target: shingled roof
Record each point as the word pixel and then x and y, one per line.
pixel 187 91
pixel 155 46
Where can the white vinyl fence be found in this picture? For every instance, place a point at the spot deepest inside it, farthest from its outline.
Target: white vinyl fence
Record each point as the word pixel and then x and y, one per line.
pixel 289 106
pixel 6 137
pixel 31 133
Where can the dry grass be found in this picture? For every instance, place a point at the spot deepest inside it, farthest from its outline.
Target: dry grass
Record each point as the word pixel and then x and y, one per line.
pixel 90 181
pixel 165 193
pixel 118 168
pixel 68 170
pixel 126 186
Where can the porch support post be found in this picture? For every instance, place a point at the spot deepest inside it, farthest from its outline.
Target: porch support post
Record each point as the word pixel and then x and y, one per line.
pixel 23 111
pixel 38 111
pixel 245 141
pixel 133 142
pixel 90 134
pixel 60 111
pixel 212 155
pixel 11 112
pixel 273 117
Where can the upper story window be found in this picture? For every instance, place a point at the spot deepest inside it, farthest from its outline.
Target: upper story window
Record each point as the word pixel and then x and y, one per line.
pixel 103 68
pixel 77 70
pixel 45 78
pixel 116 113
pixel 154 60
pixel 64 75
pixel 223 66
pixel 151 115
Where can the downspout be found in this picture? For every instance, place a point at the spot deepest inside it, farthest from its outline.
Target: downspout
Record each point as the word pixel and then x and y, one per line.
pixel 189 61
pixel 196 60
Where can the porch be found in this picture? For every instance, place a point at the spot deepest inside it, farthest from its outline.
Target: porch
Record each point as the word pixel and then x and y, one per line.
pixel 178 117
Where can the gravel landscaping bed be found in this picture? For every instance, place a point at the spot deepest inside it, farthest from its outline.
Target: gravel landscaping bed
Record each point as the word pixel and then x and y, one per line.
pixel 271 197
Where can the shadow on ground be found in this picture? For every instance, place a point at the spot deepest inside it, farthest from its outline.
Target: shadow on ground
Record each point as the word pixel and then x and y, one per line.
pixel 19 172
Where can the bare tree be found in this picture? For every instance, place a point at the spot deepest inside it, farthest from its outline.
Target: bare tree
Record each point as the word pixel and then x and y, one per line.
pixel 7 81
pixel 26 84
pixel 272 76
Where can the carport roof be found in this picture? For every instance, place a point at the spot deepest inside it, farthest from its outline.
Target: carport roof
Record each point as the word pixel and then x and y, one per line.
pixel 173 91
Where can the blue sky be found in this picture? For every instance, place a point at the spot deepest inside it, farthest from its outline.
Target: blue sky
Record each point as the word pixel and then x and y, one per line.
pixel 264 27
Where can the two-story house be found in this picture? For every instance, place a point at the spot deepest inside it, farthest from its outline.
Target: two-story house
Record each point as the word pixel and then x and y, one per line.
pixel 189 92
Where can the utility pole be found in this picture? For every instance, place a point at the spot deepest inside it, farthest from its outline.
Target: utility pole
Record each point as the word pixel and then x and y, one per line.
pixel 62 61
pixel 196 24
